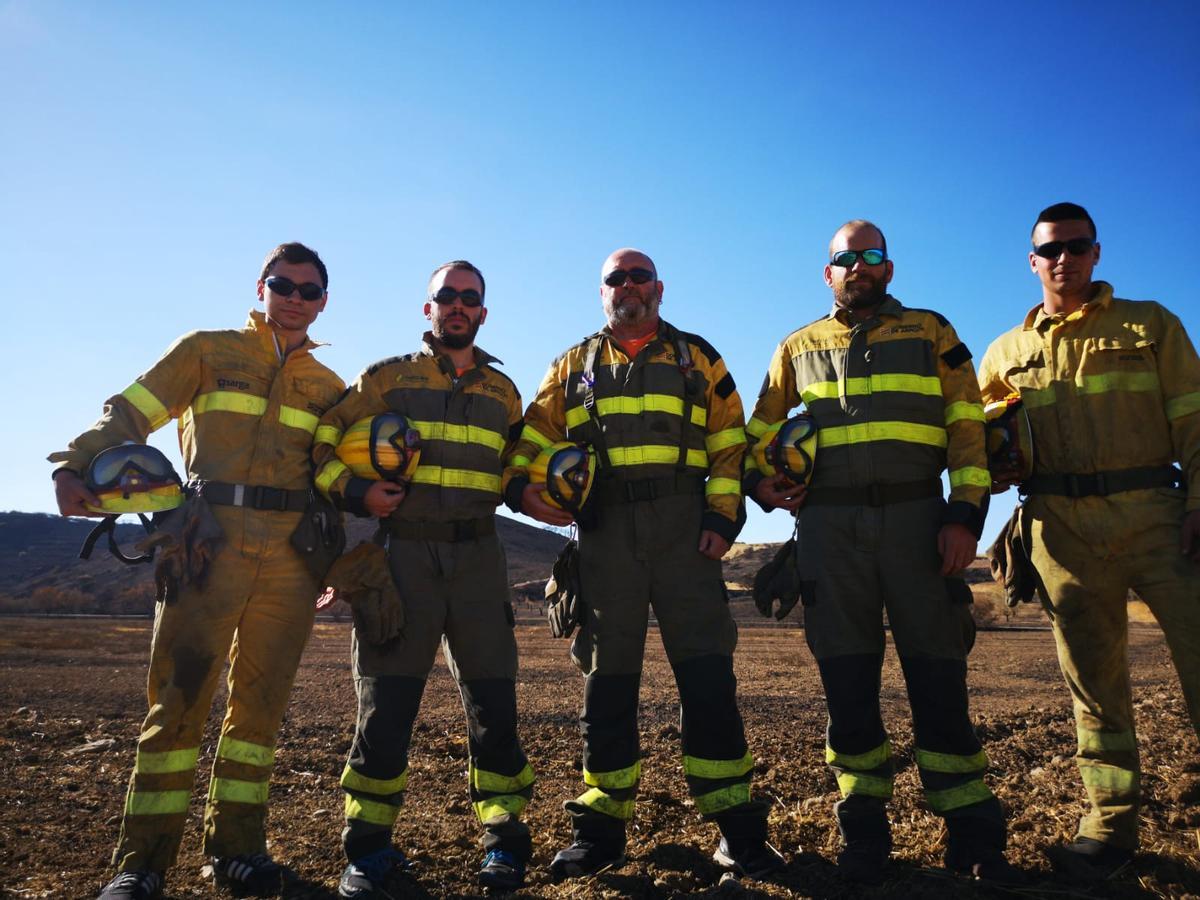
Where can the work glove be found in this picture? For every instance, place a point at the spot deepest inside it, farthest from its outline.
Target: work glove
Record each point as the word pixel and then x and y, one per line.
pixel 1010 563
pixel 362 578
pixel 565 609
pixel 778 580
pixel 185 541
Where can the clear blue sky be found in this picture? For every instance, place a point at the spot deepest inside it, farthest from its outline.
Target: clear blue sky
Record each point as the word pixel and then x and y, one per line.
pixel 151 154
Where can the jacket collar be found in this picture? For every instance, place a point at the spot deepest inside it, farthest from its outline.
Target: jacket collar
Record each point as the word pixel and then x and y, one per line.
pixel 257 324
pixel 889 307
pixel 482 357
pixel 1037 319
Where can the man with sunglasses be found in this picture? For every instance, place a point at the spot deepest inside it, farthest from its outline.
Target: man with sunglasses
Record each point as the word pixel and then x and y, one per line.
pixel 1112 392
pixel 662 413
pixel 895 400
pixel 248 402
pixel 448 565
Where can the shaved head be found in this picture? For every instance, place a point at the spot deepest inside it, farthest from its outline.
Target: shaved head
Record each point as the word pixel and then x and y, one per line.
pixel 630 257
pixel 837 243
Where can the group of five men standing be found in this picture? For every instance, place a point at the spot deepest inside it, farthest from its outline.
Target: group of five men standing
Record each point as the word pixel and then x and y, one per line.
pixel 896 402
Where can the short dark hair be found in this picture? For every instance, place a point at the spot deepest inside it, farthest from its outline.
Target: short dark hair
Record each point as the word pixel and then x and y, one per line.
pixel 295 253
pixel 1064 212
pixel 859 223
pixel 463 265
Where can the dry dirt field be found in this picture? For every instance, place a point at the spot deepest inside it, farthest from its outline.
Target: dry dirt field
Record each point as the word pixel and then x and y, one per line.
pixel 67 683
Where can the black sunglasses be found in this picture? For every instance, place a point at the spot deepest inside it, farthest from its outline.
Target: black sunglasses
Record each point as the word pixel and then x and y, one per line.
pixel 282 286
pixel 470 297
pixel 846 259
pixel 1054 249
pixel 617 277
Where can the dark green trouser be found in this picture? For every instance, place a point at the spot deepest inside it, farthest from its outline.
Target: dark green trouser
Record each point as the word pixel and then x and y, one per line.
pixel 854 563
pixel 456 594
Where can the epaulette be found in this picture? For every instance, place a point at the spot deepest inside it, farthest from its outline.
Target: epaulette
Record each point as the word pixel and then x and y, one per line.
pixel 941 320
pixel 407 357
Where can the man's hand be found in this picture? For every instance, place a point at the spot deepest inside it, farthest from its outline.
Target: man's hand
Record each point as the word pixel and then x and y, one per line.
pixel 956 544
pixel 713 545
pixel 1189 536
pixel 1004 478
pixel 535 507
pixel 72 495
pixel 778 492
pixel 382 498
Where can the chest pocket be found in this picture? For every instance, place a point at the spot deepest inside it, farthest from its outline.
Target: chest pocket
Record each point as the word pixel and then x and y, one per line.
pixel 312 396
pixel 900 376
pixel 234 384
pixel 1122 357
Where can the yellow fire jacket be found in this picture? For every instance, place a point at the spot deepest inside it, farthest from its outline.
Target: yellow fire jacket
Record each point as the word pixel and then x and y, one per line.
pixel 1114 385
pixel 895 401
pixel 640 403
pixel 467 424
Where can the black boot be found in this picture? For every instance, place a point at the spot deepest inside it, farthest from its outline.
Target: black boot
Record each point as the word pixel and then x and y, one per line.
pixel 598 845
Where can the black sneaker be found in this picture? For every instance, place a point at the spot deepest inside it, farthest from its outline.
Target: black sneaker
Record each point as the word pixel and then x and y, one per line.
pixel 1087 859
pixel 367 874
pixel 248 874
pixel 133 886
pixel 864 862
pixel 585 858
pixel 755 860
pixel 501 871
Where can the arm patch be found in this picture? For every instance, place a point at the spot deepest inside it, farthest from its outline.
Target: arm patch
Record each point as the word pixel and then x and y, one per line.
pixel 956 356
pixel 514 430
pixel 725 387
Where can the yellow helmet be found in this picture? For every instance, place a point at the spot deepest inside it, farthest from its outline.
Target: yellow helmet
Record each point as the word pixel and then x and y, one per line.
pixel 788 448
pixel 133 478
pixel 382 447
pixel 568 471
pixel 1009 436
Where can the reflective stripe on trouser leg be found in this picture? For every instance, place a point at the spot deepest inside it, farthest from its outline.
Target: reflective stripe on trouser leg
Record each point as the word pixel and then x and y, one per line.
pixel 611 756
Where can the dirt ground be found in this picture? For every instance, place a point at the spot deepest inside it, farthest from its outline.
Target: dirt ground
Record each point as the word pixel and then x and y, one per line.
pixel 67 683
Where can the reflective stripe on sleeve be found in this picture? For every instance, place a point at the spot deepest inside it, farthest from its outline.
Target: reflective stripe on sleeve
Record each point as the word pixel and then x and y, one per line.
pixel 330 473
pixel 722 486
pixel 327 434
pixel 970 476
pixel 1183 405
pixel 147 404
pixel 730 437
pixel 964 409
pixel 298 418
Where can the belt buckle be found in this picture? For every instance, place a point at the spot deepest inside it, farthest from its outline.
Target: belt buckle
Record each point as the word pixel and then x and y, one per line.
pixel 262 498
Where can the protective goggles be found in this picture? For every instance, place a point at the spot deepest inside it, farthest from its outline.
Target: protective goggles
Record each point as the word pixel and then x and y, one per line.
pixel 310 290
pixel 393 444
pixel 845 259
pixel 130 468
pixel 786 451
pixel 617 277
pixel 567 477
pixel 470 298
pixel 1054 249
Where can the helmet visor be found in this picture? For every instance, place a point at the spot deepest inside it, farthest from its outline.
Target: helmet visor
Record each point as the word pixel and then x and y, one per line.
pixel 130 468
pixel 567 476
pixel 393 442
pixel 787 452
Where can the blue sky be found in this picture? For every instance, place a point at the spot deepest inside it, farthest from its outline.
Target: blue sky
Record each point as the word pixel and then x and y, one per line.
pixel 152 154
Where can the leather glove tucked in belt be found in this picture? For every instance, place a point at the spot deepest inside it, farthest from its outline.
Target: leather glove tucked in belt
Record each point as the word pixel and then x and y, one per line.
pixel 187 539
pixel 778 580
pixel 565 609
pixel 1011 565
pixel 362 578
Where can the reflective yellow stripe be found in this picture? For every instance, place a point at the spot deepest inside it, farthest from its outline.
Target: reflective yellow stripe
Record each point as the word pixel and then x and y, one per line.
pixel 1183 405
pixel 717 768
pixel 298 418
pixel 636 406
pixel 722 486
pixel 821 390
pixel 521 462
pixel 925 385
pixel 508 804
pixel 756 427
pixel 599 801
pixel 156 803
pixel 166 761
pixel 872 759
pixel 230 401
pixel 460 434
pixel 964 409
pixel 531 434
pixel 1037 397
pixel 723 799
pixel 147 404
pixel 957 797
pixel 330 473
pixel 355 781
pixel 971 476
pixel 865 433
pixel 869 785
pixel 1117 381
pixel 237 791
pixel 456 478
pixel 505 784
pixel 615 780
pixel 651 454
pixel 950 762
pixel 730 437
pixel 1105 740
pixel 370 811
pixel 1108 778
pixel 328 434
pixel 245 752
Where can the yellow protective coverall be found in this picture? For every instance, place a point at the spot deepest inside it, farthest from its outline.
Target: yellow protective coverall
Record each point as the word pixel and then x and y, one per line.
pixel 1112 390
pixel 247 414
pixel 449 568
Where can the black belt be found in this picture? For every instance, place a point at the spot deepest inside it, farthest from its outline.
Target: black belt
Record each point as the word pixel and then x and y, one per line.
pixel 1101 484
pixel 622 490
pixel 875 494
pixel 255 496
pixel 450 532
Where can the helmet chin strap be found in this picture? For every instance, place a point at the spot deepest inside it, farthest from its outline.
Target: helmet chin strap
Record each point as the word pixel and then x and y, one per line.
pixel 108 527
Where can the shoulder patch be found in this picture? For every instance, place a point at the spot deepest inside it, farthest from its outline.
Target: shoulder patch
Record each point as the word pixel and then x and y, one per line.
pixel 375 367
pixel 941 320
pixel 725 387
pixel 709 351
pixel 956 355
pixel 496 371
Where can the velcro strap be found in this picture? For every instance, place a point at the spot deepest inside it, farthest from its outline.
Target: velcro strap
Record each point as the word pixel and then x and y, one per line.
pixel 254 496
pixel 447 532
pixel 622 490
pixel 1101 484
pixel 875 494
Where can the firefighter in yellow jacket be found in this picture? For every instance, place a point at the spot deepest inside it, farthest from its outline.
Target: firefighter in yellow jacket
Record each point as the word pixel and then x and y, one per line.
pixel 248 402
pixel 895 400
pixel 663 416
pixel 448 564
pixel 1112 392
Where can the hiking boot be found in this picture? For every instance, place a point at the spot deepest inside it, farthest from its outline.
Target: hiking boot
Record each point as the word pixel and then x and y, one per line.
pixel 1087 859
pixel 501 871
pixel 864 862
pixel 753 859
pixel 133 886
pixel 585 858
pixel 369 873
pixel 248 874
pixel 990 866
